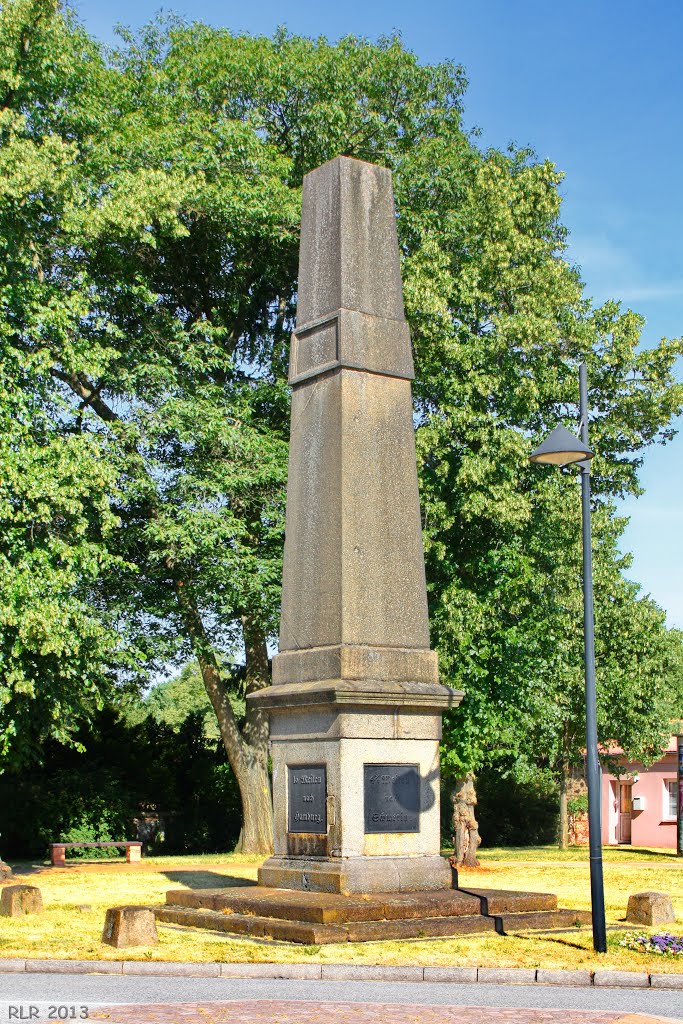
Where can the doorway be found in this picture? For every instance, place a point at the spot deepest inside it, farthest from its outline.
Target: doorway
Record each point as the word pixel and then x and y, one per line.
pixel 625 810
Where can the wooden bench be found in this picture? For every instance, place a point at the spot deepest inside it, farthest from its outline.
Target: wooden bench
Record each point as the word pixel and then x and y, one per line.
pixel 58 851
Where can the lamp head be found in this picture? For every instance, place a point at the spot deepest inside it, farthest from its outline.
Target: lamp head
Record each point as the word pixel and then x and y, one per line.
pixel 561 448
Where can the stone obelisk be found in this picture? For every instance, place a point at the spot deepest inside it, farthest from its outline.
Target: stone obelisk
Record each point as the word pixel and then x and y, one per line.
pixel 355 706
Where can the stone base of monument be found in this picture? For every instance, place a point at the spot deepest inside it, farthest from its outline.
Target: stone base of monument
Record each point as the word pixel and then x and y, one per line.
pixel 357 874
pixel 323 917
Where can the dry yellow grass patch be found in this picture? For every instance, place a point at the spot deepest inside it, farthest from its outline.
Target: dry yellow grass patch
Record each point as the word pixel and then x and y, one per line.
pixel 64 931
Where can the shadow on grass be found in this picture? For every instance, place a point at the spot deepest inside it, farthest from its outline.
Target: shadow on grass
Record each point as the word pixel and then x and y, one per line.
pixel 195 878
pixel 644 852
pixel 547 940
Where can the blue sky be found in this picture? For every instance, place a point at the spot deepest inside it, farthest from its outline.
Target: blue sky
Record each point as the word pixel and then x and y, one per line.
pixel 598 88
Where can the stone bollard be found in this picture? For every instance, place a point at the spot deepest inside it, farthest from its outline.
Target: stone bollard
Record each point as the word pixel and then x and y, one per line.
pixel 130 926
pixel 650 908
pixel 19 900
pixel 5 871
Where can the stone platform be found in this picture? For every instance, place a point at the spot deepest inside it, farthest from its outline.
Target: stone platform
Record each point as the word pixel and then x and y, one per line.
pixel 318 917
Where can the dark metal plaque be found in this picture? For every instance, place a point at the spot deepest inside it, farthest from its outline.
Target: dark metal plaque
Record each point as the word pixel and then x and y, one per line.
pixel 392 797
pixel 307 798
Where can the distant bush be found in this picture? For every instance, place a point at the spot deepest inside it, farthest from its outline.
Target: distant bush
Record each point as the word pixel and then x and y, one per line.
pixel 512 813
pixel 509 813
pixel 94 796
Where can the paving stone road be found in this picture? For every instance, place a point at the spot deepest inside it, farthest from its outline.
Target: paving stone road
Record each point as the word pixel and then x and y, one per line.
pixel 269 1011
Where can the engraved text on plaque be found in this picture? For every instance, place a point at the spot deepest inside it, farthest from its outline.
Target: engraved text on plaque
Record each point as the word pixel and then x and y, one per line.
pixel 392 797
pixel 307 798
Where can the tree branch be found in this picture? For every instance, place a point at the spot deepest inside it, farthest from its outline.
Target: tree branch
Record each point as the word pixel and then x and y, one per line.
pixel 89 394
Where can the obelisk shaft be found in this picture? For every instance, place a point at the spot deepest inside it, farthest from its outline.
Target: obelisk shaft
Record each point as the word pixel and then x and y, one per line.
pixel 355 706
pixel 354 594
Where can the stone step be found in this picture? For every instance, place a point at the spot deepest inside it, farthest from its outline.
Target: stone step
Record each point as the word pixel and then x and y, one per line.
pixel 332 908
pixel 327 908
pixel 509 901
pixel 317 917
pixel 251 924
pixel 545 920
pixel 429 927
pixel 320 934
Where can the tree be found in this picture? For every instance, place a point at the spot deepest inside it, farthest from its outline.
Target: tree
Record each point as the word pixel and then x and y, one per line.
pixel 499 329
pixel 163 279
pixel 154 274
pixel 59 655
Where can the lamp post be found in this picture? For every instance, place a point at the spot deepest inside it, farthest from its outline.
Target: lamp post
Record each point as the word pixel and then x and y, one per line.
pixel 561 448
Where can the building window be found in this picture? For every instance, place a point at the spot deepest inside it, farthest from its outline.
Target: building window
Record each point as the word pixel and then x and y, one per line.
pixel 670 798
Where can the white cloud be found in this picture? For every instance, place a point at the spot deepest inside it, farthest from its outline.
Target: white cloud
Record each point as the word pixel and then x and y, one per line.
pixel 610 271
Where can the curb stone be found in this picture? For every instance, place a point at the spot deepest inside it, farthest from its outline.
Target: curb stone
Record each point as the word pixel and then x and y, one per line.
pixel 559 977
pixel 12 966
pixel 296 972
pixel 454 975
pixel 369 972
pixel 507 975
pixel 185 970
pixel 621 979
pixel 74 966
pixel 348 972
pixel 666 981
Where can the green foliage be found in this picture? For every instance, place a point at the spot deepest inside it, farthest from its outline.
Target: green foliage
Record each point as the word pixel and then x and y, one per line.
pixel 103 829
pixel 122 771
pixel 87 803
pixel 513 813
pixel 578 804
pixel 149 214
pixel 172 701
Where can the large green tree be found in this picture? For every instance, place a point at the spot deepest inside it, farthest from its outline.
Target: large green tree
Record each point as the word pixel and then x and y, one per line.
pixel 499 331
pixel 149 211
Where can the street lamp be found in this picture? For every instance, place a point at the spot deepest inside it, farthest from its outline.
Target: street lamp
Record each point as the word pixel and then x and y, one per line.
pixel 561 448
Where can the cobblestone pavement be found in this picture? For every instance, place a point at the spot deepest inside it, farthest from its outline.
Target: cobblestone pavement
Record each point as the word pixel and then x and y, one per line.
pixel 268 1011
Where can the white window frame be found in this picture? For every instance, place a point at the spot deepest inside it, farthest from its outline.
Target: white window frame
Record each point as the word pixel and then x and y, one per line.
pixel 669 786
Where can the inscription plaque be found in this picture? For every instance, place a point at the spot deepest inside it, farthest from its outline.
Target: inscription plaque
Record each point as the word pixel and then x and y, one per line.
pixel 392 797
pixel 307 786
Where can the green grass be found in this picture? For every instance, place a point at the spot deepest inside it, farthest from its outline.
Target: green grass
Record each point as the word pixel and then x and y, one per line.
pixel 610 854
pixel 65 932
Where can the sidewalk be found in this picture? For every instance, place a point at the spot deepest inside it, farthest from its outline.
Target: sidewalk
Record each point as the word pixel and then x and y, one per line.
pixel 267 1011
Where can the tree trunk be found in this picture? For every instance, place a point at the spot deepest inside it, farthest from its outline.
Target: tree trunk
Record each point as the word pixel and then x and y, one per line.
pixel 466 839
pixel 257 808
pixel 564 817
pixel 247 752
pixel 254 782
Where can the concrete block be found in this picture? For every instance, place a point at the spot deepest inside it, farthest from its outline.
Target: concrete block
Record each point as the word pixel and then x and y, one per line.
pixel 621 979
pixel 650 908
pixel 129 926
pixel 20 900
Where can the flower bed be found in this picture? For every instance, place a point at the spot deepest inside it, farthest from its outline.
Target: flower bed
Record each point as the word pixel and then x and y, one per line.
pixel 664 943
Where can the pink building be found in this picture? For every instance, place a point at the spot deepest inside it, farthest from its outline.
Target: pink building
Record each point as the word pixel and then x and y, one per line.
pixel 639 807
